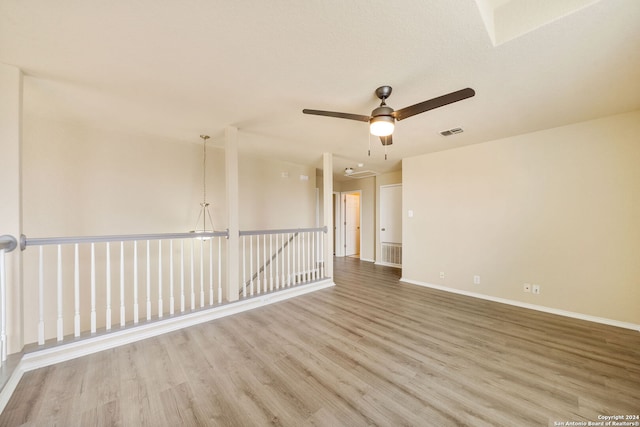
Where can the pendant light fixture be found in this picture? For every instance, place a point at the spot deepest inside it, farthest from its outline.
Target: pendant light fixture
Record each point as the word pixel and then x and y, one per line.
pixel 204 223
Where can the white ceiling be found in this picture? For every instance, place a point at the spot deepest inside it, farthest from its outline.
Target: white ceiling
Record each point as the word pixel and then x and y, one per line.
pixel 177 69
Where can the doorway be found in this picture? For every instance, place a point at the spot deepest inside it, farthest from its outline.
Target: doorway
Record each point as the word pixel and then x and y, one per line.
pixel 352 224
pixel 391 225
pixel 347 215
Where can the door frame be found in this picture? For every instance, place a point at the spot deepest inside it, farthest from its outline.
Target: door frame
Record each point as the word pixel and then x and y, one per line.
pixel 379 243
pixel 339 216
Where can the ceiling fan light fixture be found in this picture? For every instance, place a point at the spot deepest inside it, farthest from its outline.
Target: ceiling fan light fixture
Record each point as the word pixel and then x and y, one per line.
pixel 381 125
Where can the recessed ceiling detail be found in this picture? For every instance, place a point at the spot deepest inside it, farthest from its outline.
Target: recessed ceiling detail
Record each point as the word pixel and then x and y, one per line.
pixel 361 174
pixel 508 19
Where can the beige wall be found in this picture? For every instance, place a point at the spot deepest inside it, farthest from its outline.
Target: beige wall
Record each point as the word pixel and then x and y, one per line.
pixel 80 181
pixel 270 201
pixel 366 186
pixel 559 208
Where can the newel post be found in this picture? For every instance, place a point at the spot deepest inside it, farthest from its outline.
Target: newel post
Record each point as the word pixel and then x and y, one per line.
pixel 233 213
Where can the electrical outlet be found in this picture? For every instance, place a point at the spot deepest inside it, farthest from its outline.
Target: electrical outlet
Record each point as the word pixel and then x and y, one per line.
pixel 535 289
pixel 442 274
pixel 476 280
pixel 526 287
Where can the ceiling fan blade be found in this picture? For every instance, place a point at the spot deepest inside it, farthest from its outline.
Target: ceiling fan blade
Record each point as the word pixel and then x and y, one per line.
pixel 386 140
pixel 440 101
pixel 349 116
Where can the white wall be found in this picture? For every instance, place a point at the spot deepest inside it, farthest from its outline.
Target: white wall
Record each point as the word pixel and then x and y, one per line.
pixel 559 208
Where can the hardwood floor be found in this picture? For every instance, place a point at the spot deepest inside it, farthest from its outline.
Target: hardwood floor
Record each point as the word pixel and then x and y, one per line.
pixel 370 351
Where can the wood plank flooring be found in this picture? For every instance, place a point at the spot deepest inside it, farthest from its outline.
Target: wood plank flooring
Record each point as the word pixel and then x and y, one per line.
pixel 370 351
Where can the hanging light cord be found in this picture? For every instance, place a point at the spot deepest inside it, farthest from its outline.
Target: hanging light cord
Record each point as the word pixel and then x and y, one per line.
pixel 204 169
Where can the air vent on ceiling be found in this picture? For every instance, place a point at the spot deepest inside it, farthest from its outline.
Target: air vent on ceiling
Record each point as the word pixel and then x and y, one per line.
pixel 451 131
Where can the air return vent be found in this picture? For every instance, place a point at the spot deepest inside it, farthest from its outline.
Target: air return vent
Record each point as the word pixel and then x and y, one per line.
pixel 451 131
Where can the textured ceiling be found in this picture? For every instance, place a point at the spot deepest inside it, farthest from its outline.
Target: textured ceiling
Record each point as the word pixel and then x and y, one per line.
pixel 177 69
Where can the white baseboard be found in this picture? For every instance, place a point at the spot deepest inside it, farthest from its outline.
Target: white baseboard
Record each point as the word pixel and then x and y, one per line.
pixel 10 386
pixel 367 260
pixel 387 264
pixel 587 317
pixel 62 353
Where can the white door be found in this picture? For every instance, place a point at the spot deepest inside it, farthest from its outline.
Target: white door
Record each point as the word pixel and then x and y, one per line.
pixel 391 214
pixel 352 224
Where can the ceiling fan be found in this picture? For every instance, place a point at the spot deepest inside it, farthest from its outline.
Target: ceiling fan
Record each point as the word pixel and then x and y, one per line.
pixel 382 119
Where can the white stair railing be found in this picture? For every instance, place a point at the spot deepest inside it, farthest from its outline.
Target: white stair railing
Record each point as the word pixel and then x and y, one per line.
pixel 96 280
pixel 77 287
pixel 276 259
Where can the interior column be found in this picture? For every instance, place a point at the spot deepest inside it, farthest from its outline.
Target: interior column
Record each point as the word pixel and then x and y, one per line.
pixel 233 212
pixel 11 196
pixel 327 196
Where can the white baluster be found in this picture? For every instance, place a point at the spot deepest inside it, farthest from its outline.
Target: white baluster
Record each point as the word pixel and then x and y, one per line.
pixel 219 270
pixel 40 296
pixel 265 279
pixel 93 288
pixel 307 267
pixel 251 262
pixel 270 261
pixel 193 292
pixel 211 271
pixel 136 306
pixel 300 257
pixel 303 265
pixel 60 329
pixel 122 306
pixel 201 273
pixel 314 264
pixel 322 237
pixel 148 280
pixel 171 298
pixel 160 302
pixel 258 262
pixel 181 276
pixel 289 247
pixel 310 256
pixel 277 261
pixel 244 267
pixel 283 280
pixel 294 257
pixel 108 313
pixel 309 259
pixel 76 292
